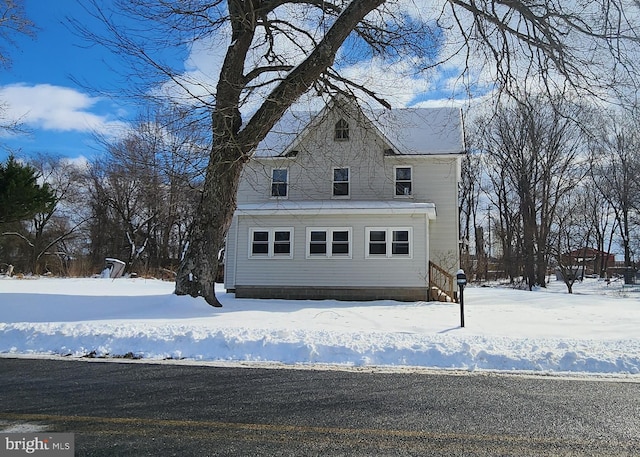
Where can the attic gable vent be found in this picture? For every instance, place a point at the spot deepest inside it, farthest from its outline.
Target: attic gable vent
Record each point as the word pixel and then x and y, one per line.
pixel 293 153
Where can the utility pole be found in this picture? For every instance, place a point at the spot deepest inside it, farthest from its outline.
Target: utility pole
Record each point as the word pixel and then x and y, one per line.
pixel 489 230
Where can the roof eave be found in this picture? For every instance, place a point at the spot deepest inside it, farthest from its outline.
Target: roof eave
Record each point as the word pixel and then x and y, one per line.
pixel 271 209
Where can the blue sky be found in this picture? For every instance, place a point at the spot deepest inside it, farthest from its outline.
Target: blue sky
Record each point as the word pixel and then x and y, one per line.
pixel 41 87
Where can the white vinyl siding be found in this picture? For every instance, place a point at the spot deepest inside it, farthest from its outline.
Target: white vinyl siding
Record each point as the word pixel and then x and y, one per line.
pixel 389 242
pixel 334 242
pixel 434 181
pixel 339 271
pixel 270 243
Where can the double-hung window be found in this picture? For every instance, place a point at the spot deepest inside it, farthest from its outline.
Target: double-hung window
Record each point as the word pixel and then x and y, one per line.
pixel 388 242
pixel 377 239
pixel 329 242
pixel 271 242
pixel 259 243
pixel 341 182
pixel 403 181
pixel 279 182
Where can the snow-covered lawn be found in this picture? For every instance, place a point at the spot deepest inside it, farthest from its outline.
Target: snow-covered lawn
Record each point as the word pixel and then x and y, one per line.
pixel 596 330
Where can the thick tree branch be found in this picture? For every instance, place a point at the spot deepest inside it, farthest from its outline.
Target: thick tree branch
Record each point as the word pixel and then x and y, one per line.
pixel 300 79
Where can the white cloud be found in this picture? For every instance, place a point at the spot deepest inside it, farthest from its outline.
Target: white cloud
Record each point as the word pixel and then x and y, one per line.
pixel 48 107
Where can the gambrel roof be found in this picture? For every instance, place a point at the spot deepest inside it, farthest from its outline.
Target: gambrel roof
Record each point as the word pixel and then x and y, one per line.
pixel 407 131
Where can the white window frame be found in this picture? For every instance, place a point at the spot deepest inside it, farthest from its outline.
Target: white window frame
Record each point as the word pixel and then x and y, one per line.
pixel 396 181
pixel 271 242
pixel 329 243
pixel 389 231
pixel 286 183
pixel 334 182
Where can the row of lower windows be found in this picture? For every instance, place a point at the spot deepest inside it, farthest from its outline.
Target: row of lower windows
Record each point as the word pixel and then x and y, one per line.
pixel 341 182
pixel 334 242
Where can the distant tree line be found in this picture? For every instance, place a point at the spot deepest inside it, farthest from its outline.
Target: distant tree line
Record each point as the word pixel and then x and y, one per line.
pixel 133 202
pixel 546 178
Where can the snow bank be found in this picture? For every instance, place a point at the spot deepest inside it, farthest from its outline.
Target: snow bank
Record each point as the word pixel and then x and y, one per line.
pixel 549 331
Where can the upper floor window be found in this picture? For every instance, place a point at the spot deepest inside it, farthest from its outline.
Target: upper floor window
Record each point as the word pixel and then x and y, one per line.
pixel 342 130
pixel 272 242
pixel 341 182
pixel 388 242
pixel 329 242
pixel 403 181
pixel 279 182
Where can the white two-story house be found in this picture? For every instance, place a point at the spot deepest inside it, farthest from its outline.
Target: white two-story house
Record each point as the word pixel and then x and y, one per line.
pixel 348 204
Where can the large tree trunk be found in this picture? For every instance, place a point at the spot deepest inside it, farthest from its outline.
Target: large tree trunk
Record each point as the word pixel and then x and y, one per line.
pixel 528 235
pixel 197 271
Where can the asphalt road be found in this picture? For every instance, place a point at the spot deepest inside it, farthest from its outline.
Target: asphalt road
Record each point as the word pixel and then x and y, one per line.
pixel 137 409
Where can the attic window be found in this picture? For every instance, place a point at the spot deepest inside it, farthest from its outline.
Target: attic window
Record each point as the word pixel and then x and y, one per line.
pixel 342 130
pixel 292 153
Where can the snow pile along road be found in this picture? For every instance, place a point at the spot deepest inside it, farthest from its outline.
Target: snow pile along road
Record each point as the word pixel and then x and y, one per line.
pixel 594 330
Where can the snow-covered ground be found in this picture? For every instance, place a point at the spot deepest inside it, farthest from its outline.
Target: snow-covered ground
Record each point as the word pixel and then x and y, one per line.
pixel 595 330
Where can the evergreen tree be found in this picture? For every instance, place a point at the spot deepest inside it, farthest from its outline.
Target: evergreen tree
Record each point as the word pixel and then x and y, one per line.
pixel 21 197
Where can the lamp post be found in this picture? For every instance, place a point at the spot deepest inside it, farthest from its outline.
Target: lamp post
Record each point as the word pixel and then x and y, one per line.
pixel 461 279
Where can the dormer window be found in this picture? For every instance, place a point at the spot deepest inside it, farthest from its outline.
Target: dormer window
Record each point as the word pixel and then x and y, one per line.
pixel 342 130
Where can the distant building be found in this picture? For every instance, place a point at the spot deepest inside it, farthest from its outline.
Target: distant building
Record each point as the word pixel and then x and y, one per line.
pixel 591 261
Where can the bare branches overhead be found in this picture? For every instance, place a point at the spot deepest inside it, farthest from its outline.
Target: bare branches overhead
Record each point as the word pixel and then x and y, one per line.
pixel 588 46
pixel 13 21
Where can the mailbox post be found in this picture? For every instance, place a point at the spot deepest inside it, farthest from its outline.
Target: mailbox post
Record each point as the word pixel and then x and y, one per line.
pixel 461 279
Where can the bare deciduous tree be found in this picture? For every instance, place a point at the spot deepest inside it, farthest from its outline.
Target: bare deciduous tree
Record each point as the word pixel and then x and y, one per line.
pixel 278 50
pixel 143 191
pixel 13 22
pixel 604 225
pixel 615 167
pixel 571 235
pixel 46 241
pixel 531 149
pixel 470 229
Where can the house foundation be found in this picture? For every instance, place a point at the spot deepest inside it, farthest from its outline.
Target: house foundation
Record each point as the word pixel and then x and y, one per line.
pixel 409 294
